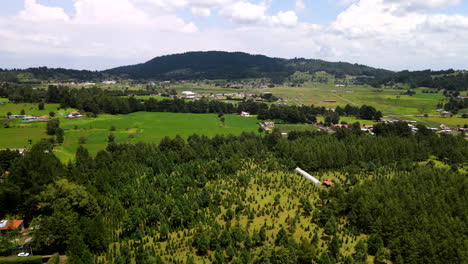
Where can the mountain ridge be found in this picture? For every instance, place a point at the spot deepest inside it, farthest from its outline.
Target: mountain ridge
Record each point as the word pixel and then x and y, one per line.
pixel 235 65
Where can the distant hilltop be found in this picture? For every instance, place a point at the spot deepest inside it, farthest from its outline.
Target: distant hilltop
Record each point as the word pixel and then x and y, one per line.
pixel 236 65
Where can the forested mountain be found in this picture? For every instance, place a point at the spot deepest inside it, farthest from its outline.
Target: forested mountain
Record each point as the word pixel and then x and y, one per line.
pixel 44 74
pixel 235 65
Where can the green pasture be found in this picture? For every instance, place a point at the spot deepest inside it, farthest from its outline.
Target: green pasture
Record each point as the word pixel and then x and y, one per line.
pixel 350 120
pixel 135 127
pixel 295 127
pixel 30 109
pixel 438 120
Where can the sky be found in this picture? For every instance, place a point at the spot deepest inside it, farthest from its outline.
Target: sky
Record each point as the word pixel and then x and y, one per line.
pixel 101 34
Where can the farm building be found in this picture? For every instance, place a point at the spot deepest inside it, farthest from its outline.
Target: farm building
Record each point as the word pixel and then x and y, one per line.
pixel 3 176
pixel 6 225
pixel 28 118
pixel 329 101
pixel 73 115
pixel 245 114
pixel 16 116
pixel 188 95
pixel 327 183
pixel 308 176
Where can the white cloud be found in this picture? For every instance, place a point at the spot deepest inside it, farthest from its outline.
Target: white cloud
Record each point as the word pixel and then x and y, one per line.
pixel 125 12
pixel 201 11
pixel 248 13
pixel 300 5
pixel 35 12
pixel 288 19
pixel 424 4
pixel 381 33
pixel 245 12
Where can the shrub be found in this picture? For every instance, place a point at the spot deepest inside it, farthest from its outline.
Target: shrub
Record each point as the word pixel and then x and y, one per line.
pixel 23 260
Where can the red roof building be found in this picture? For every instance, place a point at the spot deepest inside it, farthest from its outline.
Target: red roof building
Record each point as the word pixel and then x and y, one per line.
pixel 11 224
pixel 328 183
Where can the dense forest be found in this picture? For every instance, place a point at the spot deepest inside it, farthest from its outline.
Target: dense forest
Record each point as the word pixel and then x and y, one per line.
pixel 234 199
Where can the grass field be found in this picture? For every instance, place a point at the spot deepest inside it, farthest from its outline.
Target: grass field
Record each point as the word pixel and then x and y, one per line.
pixel 295 127
pixel 350 120
pixel 30 109
pixel 135 127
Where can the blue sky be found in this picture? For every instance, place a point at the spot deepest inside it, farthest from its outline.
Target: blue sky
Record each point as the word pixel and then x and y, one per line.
pixel 98 34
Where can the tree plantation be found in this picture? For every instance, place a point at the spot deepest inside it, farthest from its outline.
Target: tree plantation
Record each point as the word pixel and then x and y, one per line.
pixel 236 199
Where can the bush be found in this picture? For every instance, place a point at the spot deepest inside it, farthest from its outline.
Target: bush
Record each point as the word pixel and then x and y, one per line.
pixel 23 260
pixel 55 259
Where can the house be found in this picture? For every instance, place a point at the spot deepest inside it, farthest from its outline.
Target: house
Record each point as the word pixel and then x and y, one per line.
pixel 245 114
pixel 341 126
pixel 28 118
pixel 109 82
pixel 327 183
pixel 73 115
pixel 16 116
pixel 3 176
pixel 329 101
pixel 445 113
pixel 6 225
pixel 188 95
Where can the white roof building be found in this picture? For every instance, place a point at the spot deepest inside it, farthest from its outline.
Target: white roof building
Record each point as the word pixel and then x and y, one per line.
pixel 308 176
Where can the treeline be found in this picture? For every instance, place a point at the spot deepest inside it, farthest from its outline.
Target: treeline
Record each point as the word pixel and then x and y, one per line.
pixel 39 74
pixel 456 104
pixel 448 79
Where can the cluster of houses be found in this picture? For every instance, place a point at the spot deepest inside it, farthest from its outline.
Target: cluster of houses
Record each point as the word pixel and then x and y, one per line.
pixel 267 125
pixel 43 118
pixel 29 118
pixel 443 129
